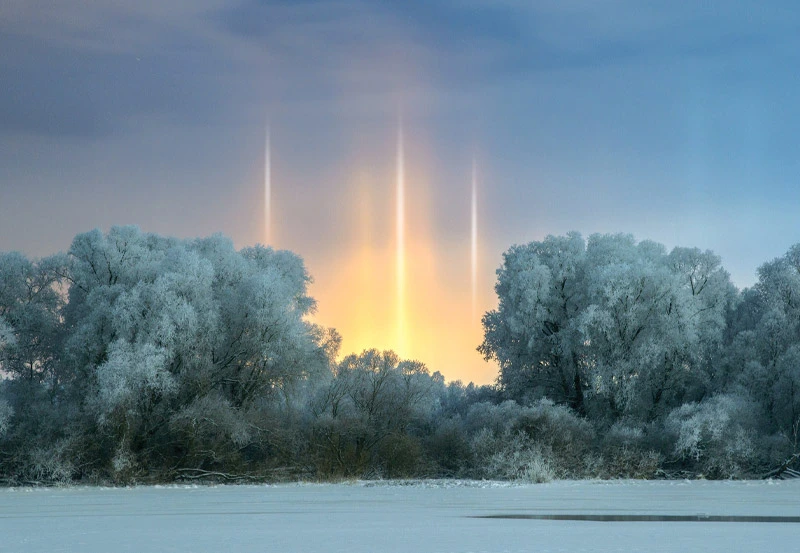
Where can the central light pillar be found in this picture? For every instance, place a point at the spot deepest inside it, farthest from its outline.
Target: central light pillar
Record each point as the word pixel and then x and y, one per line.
pixel 400 237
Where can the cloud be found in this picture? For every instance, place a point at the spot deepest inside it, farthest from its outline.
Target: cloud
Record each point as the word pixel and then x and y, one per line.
pixel 85 70
pixel 146 26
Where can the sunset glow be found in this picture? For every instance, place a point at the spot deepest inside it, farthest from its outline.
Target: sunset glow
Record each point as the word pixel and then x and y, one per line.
pixel 414 142
pixel 394 282
pixel 400 255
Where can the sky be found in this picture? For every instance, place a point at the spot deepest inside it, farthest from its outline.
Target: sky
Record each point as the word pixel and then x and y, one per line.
pixel 673 121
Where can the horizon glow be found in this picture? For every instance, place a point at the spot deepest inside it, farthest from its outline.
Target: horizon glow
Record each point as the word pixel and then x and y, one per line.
pixel 400 256
pixel 664 122
pixel 394 283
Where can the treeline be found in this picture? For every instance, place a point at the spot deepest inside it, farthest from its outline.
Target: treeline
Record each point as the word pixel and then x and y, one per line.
pixel 141 358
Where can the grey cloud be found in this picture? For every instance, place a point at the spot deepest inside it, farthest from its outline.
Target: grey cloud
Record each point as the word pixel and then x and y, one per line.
pixel 85 70
pixel 50 89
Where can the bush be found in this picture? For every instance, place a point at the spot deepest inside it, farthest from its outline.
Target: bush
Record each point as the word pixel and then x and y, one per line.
pixel 50 465
pixel 533 443
pixel 449 449
pixel 399 456
pixel 513 456
pixel 626 462
pixel 716 436
pixel 626 451
pixel 567 437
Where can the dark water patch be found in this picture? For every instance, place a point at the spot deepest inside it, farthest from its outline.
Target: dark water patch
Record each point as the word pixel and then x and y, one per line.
pixel 646 518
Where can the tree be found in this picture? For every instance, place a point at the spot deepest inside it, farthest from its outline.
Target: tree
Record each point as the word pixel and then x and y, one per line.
pixel 765 352
pixel 30 316
pixel 655 323
pixel 610 326
pixel 173 345
pixel 367 411
pixel 534 335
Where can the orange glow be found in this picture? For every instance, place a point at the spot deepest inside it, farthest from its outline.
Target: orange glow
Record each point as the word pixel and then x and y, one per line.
pixel 391 284
pixel 400 262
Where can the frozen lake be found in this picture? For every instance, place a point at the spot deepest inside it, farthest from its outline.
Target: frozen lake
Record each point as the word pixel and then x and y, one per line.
pixel 385 517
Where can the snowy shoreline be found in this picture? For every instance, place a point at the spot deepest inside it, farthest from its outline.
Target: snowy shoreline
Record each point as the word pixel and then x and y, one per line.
pixel 432 483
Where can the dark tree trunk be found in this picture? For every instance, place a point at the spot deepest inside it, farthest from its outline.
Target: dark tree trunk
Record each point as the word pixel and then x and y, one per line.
pixel 578 404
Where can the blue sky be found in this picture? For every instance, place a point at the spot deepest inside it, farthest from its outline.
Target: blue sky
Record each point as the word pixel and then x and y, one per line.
pixel 674 121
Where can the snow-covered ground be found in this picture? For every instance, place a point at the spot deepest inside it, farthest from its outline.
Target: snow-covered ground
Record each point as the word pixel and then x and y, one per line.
pixel 392 517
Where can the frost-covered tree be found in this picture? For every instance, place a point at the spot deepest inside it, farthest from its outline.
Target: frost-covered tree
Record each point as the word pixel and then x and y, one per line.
pixel 30 315
pixel 654 323
pixel 535 334
pixel 713 298
pixel 716 435
pixel 764 354
pixel 135 355
pixel 6 412
pixel 611 325
pixel 31 340
pixel 7 342
pixel 368 409
pixel 172 342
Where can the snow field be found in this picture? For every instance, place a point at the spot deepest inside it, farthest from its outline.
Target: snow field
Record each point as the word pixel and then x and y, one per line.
pixel 390 517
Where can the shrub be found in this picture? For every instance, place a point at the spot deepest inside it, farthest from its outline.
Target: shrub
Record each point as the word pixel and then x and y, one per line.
pixel 449 448
pixel 399 456
pixel 513 456
pixel 715 435
pixel 50 464
pixel 567 437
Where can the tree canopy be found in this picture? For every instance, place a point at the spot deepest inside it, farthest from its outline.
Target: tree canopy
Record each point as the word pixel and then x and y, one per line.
pixel 138 357
pixel 609 326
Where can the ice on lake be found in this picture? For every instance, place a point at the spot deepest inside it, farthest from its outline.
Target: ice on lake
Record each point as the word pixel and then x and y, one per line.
pixel 436 516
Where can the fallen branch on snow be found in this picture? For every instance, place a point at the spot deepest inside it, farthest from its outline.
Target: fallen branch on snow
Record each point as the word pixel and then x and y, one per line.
pixel 784 470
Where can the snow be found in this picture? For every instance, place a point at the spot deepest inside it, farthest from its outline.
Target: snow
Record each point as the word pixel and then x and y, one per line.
pixel 433 516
